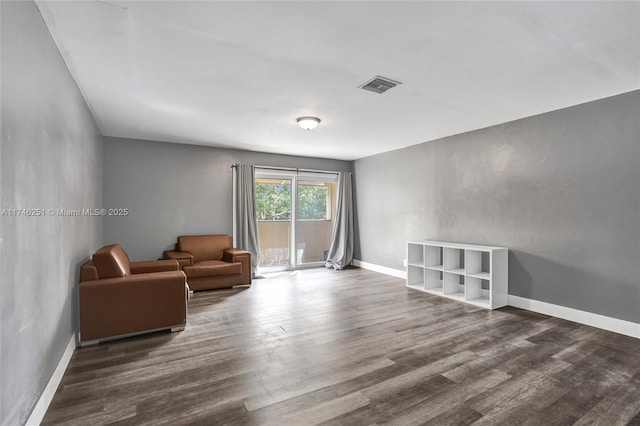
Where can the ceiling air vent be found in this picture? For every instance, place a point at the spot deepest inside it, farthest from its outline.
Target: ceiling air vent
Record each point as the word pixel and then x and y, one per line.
pixel 379 84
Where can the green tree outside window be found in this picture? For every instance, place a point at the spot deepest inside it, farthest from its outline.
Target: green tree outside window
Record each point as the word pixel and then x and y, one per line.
pixel 273 201
pixel 312 202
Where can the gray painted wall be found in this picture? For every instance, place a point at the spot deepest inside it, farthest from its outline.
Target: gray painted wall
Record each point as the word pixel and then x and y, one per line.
pixel 560 190
pixel 173 189
pixel 51 157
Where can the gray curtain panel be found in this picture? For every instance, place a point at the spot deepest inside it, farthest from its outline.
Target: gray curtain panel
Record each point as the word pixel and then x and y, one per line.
pixel 246 223
pixel 342 239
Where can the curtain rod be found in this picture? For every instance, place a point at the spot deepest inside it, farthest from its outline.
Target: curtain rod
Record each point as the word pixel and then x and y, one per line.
pixel 291 169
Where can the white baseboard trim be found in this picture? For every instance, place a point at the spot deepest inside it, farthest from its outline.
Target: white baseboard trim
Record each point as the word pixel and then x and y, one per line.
pixel 382 269
pixel 615 325
pixel 36 416
pixel 627 328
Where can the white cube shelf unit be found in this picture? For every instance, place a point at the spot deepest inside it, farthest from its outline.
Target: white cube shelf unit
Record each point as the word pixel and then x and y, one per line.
pixel 469 273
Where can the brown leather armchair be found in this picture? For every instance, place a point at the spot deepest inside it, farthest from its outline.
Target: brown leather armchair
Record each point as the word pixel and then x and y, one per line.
pixel 119 298
pixel 211 262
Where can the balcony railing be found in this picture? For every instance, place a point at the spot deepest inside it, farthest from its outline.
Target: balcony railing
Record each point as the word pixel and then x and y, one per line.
pixel 313 239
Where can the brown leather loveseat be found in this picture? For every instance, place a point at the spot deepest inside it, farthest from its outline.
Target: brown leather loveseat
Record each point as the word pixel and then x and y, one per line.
pixel 211 262
pixel 119 298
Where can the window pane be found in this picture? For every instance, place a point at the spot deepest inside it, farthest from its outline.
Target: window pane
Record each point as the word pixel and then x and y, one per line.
pixel 273 199
pixel 312 201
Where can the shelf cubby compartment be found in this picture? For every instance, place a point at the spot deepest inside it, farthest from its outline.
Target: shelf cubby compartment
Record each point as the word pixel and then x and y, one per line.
pixel 453 260
pixel 415 277
pixel 478 264
pixel 477 291
pixel 415 254
pixel 433 257
pixel 433 281
pixel 453 285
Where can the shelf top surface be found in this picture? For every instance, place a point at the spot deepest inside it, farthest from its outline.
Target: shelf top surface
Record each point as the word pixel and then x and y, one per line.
pixel 456 245
pixel 483 275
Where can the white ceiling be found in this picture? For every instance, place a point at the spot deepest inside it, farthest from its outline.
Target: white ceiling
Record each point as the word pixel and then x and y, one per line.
pixel 237 73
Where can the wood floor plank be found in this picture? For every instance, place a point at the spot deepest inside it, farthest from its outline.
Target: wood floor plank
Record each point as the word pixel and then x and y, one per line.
pixel 442 402
pixel 289 387
pixel 513 401
pixel 457 415
pixel 323 411
pixel 353 347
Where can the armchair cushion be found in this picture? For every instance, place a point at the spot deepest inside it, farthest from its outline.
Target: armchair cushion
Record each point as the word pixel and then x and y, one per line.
pixel 111 262
pixel 210 247
pixel 212 268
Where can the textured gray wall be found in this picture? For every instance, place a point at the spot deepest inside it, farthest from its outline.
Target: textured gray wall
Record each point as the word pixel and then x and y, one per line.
pixel 173 189
pixel 51 157
pixel 561 190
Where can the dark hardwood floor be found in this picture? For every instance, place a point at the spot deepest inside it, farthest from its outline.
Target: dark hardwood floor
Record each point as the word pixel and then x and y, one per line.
pixel 353 347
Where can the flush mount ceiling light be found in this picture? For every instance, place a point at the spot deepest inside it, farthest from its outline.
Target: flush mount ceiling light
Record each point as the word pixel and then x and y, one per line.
pixel 308 123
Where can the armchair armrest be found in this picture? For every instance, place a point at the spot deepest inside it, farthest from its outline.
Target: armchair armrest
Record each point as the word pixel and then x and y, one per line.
pixel 242 256
pixel 184 258
pixel 119 306
pixel 235 255
pixel 154 266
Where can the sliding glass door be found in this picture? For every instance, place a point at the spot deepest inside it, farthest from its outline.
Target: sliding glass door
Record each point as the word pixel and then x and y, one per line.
pixel 273 211
pixel 295 213
pixel 315 210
